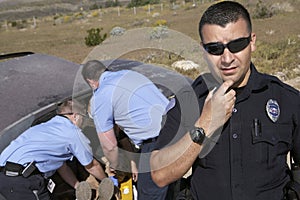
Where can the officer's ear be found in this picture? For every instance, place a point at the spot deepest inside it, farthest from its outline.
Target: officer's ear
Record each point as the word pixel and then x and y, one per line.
pixel 92 83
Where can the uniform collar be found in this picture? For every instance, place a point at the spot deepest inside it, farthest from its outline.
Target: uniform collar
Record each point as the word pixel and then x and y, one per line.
pixel 257 81
pixel 101 80
pixel 65 118
pixel 103 76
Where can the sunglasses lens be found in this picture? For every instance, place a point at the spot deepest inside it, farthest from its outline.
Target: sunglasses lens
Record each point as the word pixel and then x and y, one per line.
pixel 214 48
pixel 217 48
pixel 238 45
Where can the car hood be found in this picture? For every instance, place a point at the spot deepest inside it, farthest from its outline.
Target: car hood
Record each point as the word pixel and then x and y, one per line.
pixel 31 87
pixel 31 82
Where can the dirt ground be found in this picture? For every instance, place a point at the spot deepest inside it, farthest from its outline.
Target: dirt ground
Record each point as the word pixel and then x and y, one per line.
pixel 67 39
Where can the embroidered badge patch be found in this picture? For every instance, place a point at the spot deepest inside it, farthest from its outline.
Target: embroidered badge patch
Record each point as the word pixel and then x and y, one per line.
pixel 273 110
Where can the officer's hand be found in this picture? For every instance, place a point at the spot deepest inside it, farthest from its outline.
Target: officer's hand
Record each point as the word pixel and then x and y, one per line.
pixel 217 108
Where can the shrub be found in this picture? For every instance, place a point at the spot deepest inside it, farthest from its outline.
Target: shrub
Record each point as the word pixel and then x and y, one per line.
pixel 111 3
pixel 55 17
pixel 159 32
pixel 262 11
pixel 67 19
pixel 95 13
pixel 134 3
pixel 160 22
pixel 21 24
pixel 278 56
pixel 94 37
pixel 191 73
pixel 117 31
pixel 94 7
pixel 79 15
pixel 14 23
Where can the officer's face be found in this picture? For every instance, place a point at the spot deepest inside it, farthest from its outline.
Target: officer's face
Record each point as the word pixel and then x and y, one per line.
pixel 232 62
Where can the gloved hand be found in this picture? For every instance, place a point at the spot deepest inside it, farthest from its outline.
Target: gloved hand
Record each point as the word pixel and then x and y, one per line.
pixel 114 180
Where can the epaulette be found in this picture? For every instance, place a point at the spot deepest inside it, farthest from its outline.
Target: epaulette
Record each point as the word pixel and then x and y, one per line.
pixel 276 80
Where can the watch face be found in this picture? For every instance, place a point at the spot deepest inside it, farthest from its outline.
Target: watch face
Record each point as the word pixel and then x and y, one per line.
pixel 197 135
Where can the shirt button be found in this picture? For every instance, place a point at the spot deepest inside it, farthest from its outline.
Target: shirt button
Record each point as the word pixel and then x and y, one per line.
pixel 235 136
pixel 234 110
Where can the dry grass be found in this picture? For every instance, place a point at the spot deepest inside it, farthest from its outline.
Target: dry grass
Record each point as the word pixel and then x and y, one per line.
pixel 66 39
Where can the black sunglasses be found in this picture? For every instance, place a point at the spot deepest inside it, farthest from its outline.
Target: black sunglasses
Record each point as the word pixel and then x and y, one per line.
pixel 234 46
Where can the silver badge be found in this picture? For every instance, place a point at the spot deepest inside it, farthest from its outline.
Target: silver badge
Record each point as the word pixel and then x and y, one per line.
pixel 273 110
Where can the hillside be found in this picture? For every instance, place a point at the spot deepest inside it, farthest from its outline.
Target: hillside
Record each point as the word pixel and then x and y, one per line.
pixel 20 9
pixel 278 42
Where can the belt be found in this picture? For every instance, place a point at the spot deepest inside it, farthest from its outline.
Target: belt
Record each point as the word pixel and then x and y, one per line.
pixel 150 140
pixel 15 169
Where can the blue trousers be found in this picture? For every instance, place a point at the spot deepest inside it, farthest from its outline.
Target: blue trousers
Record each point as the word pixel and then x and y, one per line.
pixel 147 189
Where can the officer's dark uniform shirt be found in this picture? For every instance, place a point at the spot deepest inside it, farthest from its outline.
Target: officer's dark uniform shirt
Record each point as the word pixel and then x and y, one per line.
pixel 244 164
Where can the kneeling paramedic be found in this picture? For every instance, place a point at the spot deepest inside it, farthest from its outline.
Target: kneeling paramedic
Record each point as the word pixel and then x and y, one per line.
pixel 37 153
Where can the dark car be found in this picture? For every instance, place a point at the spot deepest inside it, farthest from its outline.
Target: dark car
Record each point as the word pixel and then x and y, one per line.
pixel 33 84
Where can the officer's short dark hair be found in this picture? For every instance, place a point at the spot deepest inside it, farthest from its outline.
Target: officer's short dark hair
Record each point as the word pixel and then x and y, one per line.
pixel 92 70
pixel 223 13
pixel 70 106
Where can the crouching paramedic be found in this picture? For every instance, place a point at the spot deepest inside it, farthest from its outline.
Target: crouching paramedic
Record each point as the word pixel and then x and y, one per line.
pixel 43 149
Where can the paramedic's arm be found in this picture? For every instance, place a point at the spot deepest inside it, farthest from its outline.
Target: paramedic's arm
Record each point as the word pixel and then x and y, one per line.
pixel 95 169
pixel 109 145
pixel 67 175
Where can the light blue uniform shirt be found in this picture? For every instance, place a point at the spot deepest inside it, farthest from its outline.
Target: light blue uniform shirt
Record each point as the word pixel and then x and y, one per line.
pixel 130 100
pixel 49 144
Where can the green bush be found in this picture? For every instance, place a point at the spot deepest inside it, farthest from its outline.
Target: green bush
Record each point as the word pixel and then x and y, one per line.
pixel 262 11
pixel 94 37
pixel 111 3
pixel 94 7
pixel 14 23
pixel 19 24
pixel 134 3
pixel 79 15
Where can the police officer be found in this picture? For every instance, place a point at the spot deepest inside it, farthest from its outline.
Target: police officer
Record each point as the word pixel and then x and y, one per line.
pixel 242 155
pixel 41 150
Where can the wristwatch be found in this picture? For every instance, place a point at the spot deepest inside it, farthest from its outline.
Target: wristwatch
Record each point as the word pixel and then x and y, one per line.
pixel 197 135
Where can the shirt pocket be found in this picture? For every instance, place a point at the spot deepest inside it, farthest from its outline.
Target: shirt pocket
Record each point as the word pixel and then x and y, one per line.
pixel 272 143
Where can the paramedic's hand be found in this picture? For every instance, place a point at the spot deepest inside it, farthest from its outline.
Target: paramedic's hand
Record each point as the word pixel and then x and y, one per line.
pixel 114 180
pixel 134 171
pixel 108 170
